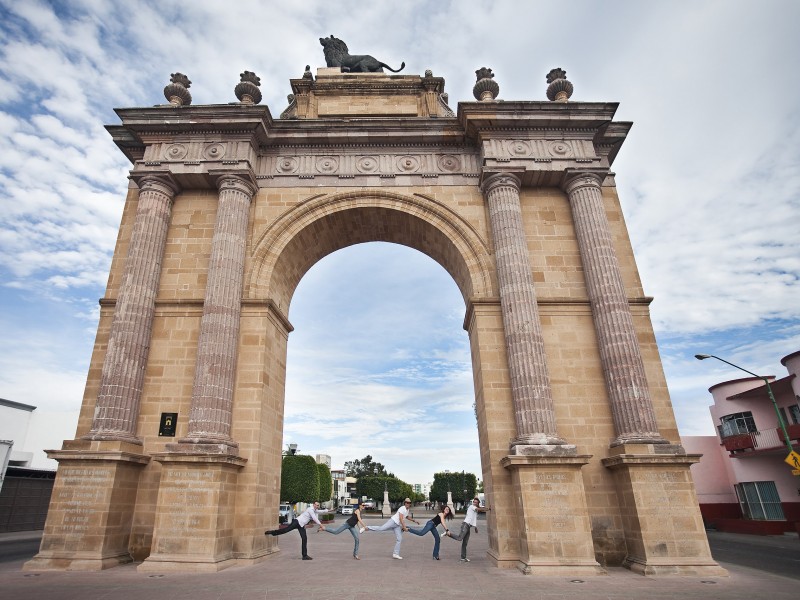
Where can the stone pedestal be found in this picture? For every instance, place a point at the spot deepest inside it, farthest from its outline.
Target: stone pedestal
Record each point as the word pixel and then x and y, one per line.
pixel 661 518
pixel 91 509
pixel 386 507
pixel 194 520
pixel 555 533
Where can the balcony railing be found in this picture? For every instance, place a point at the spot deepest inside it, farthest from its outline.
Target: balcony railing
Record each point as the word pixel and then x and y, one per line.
pixel 769 439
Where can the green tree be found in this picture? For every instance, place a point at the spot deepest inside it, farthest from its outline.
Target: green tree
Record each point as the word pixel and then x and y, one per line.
pixel 365 467
pixel 325 482
pixel 372 487
pixel 456 483
pixel 299 479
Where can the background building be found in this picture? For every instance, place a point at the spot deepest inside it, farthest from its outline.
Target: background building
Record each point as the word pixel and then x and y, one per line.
pixel 743 482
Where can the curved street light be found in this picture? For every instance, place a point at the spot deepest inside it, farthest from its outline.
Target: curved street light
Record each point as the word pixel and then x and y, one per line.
pixel 769 392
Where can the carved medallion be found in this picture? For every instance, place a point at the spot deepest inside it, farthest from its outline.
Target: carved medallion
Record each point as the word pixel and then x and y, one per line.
pixel 519 148
pixel 176 152
pixel 560 148
pixel 450 163
pixel 408 164
pixel 214 151
pixel 286 164
pixel 327 164
pixel 367 164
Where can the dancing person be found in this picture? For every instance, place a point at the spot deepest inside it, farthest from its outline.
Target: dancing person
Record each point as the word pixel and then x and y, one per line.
pixel 431 525
pixel 309 514
pixel 397 524
pixel 470 521
pixel 352 524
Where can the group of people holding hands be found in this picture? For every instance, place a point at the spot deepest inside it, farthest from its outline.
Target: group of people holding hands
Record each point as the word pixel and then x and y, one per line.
pixel 397 524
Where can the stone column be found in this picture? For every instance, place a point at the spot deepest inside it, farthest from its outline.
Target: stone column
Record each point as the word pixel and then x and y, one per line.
pixel 623 368
pixel 215 371
pixel 117 407
pixel 530 382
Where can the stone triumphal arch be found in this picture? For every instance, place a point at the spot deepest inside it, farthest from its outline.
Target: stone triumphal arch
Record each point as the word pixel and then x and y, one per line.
pixel 176 459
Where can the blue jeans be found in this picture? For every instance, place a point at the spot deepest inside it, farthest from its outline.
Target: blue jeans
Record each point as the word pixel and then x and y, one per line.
pixel 429 526
pixel 353 532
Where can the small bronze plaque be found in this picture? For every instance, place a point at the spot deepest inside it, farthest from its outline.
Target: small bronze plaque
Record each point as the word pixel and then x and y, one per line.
pixel 169 422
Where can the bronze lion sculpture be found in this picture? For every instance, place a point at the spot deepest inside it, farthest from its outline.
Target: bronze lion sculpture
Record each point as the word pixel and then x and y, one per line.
pixel 337 55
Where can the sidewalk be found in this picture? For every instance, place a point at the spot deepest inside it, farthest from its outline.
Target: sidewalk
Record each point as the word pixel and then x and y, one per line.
pixel 334 574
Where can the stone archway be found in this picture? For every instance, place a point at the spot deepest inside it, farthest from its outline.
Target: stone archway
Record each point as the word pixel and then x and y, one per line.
pixel 228 208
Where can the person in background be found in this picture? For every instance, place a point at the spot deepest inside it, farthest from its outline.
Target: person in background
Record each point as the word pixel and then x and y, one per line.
pixel 397 524
pixel 308 515
pixel 470 521
pixel 352 524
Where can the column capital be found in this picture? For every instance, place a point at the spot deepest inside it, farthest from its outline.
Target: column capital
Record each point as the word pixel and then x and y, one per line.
pixel 575 179
pixel 492 181
pixel 159 181
pixel 239 180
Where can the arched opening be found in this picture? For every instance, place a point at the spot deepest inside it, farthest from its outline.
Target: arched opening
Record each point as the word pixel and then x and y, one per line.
pixel 379 364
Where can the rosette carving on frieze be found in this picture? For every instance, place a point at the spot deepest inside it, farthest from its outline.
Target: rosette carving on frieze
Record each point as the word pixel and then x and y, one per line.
pixel 287 164
pixel 214 151
pixel 367 164
pixel 176 152
pixel 449 163
pixel 519 148
pixel 327 165
pixel 408 163
pixel 560 149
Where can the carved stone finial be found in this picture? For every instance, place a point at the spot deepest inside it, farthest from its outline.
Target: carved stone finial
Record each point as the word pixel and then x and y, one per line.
pixel 428 73
pixel 247 89
pixel 177 91
pixel 307 74
pixel 485 89
pixel 445 97
pixel 559 89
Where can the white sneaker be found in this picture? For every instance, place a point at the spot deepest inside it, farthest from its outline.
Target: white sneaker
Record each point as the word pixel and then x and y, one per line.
pixel 464 560
pixel 397 556
pixel 362 530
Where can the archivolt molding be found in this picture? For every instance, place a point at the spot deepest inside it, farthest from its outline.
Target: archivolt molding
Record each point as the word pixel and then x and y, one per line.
pixel 474 280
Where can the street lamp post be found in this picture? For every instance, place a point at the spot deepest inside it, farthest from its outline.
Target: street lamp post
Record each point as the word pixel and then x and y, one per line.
pixel 769 392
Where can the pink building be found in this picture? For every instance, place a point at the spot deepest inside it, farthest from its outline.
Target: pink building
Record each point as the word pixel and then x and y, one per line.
pixel 743 482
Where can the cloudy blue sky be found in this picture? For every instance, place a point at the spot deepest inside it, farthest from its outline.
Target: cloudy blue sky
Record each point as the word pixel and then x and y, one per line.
pixel 709 180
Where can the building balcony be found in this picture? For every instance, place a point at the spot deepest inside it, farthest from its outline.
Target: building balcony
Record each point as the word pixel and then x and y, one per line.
pixel 769 441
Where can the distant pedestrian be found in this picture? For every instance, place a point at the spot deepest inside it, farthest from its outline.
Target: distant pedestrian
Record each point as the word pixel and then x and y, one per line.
pixel 470 521
pixel 397 524
pixel 353 524
pixel 439 519
pixel 310 514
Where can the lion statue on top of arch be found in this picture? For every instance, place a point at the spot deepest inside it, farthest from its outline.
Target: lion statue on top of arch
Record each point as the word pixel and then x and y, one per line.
pixel 337 55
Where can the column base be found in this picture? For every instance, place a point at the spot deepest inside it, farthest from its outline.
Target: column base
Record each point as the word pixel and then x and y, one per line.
pixel 663 527
pixel 555 533
pixel 91 509
pixel 194 518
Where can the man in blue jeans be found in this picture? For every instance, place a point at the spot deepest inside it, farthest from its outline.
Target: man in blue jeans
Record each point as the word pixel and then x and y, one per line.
pixel 310 514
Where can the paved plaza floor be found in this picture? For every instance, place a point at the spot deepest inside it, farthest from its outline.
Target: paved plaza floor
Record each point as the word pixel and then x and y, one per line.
pixel 334 574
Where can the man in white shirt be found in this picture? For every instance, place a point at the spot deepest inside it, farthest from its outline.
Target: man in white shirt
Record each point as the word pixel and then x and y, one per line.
pixel 397 524
pixel 470 521
pixel 310 514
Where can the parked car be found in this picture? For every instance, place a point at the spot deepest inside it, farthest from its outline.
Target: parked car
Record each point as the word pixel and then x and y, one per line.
pixel 286 513
pixel 368 504
pixel 347 509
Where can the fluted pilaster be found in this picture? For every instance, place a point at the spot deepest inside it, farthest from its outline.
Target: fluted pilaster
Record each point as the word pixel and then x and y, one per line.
pixel 631 405
pixel 527 364
pixel 215 372
pixel 121 381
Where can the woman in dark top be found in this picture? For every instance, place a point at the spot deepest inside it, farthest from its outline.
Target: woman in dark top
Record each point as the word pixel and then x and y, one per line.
pixel 352 525
pixel 439 519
